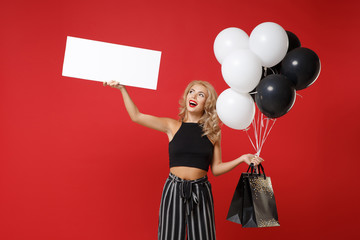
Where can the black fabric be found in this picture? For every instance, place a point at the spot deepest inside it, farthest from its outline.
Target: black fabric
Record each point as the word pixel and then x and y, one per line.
pixel 189 148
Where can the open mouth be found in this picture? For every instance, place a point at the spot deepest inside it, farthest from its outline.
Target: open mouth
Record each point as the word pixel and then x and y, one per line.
pixel 192 103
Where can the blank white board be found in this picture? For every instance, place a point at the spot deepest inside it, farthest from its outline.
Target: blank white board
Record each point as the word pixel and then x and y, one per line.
pixel 101 61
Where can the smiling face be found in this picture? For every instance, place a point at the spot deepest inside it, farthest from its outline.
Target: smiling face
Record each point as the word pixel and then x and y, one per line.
pixel 198 105
pixel 196 98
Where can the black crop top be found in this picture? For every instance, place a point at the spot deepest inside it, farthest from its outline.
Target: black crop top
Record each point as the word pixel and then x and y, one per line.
pixel 188 147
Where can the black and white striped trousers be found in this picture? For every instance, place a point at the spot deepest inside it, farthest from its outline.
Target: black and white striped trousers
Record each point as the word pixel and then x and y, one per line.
pixel 186 209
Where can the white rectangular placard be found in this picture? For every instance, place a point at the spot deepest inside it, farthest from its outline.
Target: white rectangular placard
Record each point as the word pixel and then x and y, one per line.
pixel 101 61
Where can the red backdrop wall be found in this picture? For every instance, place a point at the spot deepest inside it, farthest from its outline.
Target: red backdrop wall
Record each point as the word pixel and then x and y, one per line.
pixel 73 165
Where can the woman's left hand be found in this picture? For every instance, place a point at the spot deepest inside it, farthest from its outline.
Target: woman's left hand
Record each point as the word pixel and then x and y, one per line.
pixel 251 158
pixel 256 160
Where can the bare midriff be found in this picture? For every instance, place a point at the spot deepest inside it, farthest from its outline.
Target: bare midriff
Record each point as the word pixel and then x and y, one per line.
pixel 188 173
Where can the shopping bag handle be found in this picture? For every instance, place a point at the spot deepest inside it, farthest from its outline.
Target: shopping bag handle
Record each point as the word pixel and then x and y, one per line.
pixel 260 167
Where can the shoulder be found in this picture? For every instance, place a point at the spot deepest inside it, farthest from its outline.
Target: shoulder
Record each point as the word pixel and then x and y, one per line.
pixel 217 142
pixel 172 122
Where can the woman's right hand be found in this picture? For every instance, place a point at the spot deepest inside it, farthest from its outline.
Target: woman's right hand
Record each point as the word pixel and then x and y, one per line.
pixel 114 84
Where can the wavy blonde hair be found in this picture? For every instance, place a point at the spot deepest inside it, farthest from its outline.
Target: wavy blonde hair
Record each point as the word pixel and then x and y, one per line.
pixel 209 120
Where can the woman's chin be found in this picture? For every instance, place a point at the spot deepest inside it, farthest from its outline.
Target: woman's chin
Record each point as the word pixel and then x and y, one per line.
pixel 191 109
pixel 194 110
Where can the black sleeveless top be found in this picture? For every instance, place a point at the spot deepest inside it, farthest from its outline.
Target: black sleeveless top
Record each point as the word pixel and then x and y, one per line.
pixel 189 148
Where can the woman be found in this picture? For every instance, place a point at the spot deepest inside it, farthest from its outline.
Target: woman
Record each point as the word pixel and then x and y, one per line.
pixel 186 207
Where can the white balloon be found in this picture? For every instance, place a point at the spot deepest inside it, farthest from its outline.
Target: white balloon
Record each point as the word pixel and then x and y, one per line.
pixel 242 70
pixel 228 40
pixel 235 110
pixel 269 42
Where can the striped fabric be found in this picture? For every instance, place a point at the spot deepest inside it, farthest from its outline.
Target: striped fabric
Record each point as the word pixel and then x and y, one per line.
pixel 186 210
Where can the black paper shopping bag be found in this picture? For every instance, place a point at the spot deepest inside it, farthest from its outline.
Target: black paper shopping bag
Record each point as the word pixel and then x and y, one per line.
pixel 253 203
pixel 236 206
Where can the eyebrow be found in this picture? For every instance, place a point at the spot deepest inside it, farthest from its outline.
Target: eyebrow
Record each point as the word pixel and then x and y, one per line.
pixel 199 91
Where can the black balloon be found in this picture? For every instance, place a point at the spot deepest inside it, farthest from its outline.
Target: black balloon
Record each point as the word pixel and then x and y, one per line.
pixel 301 66
pixel 276 68
pixel 265 72
pixel 294 42
pixel 275 96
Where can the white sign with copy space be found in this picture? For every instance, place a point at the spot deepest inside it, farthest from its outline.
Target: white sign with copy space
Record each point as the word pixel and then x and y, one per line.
pixel 101 61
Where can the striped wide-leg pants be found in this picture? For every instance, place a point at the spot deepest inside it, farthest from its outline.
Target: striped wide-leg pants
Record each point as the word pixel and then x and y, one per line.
pixel 186 210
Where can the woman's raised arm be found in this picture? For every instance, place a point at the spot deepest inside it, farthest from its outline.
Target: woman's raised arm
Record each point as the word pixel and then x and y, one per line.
pixel 157 123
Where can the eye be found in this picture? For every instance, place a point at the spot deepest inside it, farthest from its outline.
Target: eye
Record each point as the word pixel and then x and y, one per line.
pixel 201 95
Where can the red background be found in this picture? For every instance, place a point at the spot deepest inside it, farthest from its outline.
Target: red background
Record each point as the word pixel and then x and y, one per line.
pixel 73 165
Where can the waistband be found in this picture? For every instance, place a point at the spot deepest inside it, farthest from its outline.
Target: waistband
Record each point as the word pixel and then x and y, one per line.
pixel 178 179
pixel 186 192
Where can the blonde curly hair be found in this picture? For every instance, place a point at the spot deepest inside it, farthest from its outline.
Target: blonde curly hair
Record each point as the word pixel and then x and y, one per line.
pixel 209 120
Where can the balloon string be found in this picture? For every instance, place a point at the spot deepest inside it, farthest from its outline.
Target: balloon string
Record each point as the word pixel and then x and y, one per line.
pixel 261 131
pixel 255 142
pixel 265 131
pixel 273 72
pixel 252 143
pixel 260 128
pixel 258 131
pixel 255 132
pixel 299 95
pixel 267 135
pixel 266 127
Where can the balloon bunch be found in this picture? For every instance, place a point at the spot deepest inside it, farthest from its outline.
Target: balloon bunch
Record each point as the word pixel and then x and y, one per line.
pixel 268 67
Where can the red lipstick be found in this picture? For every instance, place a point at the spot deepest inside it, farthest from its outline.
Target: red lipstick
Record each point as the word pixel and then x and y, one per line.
pixel 193 103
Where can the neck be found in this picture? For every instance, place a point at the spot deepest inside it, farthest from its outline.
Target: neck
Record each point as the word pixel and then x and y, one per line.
pixel 191 117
